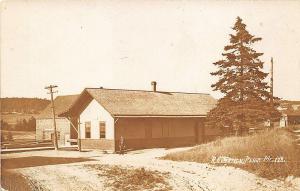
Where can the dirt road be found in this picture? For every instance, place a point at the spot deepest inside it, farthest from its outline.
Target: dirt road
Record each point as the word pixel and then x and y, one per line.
pixel 64 170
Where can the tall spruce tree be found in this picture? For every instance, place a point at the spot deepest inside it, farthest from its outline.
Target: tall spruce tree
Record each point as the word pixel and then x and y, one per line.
pixel 247 98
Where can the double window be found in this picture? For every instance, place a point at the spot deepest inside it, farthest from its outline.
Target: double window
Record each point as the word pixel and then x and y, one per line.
pixel 102 129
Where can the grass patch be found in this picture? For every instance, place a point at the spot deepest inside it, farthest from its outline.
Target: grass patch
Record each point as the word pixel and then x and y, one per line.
pixel 120 178
pixel 274 143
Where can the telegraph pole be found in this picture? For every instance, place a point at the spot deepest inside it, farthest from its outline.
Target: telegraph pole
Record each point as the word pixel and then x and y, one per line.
pixel 50 88
pixel 272 81
pixel 271 91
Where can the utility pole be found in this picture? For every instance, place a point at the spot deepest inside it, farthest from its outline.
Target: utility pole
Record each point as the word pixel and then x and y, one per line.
pixel 50 88
pixel 271 91
pixel 272 81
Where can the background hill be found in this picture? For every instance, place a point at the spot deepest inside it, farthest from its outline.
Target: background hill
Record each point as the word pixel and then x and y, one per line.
pixel 23 105
pixel 19 113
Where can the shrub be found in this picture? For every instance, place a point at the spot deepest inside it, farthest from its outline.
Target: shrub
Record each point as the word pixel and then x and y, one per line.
pixel 120 178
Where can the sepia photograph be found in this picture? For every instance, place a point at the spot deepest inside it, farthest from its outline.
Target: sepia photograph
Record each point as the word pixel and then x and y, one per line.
pixel 143 95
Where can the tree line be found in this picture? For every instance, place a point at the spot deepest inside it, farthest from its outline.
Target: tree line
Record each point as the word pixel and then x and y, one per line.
pixel 23 105
pixel 21 125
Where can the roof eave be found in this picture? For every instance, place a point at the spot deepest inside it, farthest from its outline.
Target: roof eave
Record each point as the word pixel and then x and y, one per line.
pixel 159 116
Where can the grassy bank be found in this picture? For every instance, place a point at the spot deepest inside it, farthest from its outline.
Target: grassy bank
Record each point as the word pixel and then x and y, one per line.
pixel 258 153
pixel 13 181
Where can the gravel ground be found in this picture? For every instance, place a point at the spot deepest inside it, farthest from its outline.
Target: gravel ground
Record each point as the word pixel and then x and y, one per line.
pixel 63 170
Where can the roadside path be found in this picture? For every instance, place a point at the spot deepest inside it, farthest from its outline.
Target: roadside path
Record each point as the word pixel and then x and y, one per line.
pixel 184 176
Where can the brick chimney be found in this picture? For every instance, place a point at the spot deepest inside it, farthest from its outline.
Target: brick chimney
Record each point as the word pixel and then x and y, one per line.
pixel 153 83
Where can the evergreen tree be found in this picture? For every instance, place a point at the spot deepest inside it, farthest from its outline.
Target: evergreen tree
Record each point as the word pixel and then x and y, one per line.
pixel 4 125
pixel 247 100
pixel 31 124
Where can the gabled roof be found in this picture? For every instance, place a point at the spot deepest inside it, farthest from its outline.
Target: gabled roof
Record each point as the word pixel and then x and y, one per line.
pixel 61 104
pixel 120 102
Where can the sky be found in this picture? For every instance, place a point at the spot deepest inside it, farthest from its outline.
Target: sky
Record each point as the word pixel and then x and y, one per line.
pixel 76 44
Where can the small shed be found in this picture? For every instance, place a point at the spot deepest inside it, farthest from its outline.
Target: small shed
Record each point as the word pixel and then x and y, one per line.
pixel 44 122
pixel 290 113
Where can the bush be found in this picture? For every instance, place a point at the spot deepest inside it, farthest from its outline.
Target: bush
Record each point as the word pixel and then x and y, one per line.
pixel 4 125
pixel 26 125
pixel 120 178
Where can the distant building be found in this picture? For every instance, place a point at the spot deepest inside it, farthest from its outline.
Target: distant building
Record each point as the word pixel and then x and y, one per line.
pixel 44 122
pixel 290 113
pixel 145 119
